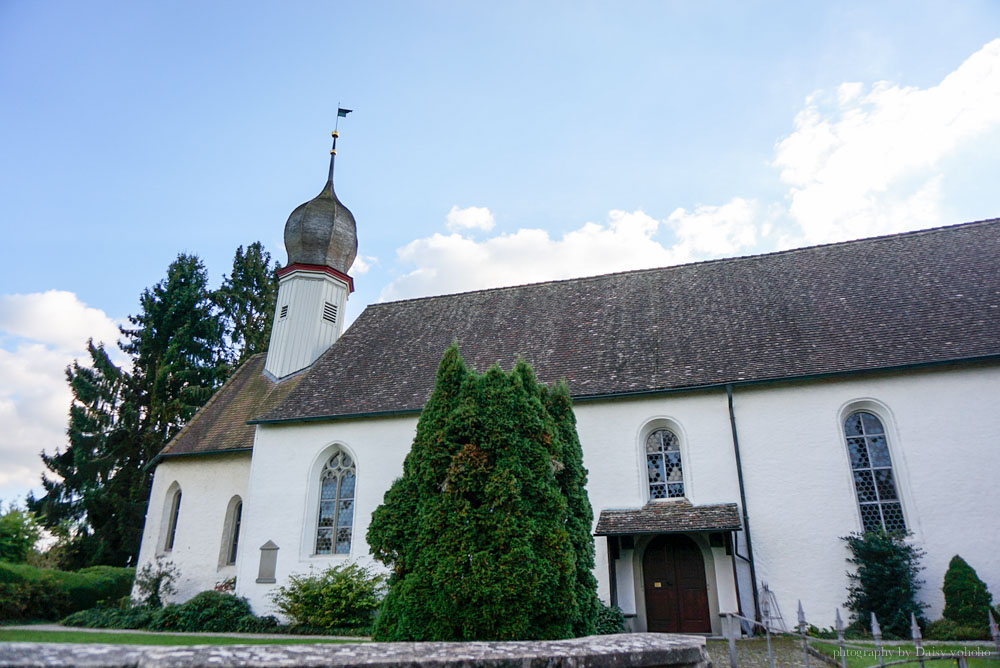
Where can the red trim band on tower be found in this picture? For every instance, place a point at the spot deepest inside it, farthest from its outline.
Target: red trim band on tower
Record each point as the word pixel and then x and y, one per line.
pixel 284 271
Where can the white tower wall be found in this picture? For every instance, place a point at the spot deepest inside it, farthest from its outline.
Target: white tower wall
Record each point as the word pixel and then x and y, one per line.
pixel 302 328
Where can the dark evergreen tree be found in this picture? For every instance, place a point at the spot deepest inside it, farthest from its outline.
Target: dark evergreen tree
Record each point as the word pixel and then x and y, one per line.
pixel 479 531
pixel 966 598
pixel 246 300
pixel 176 348
pixel 120 420
pixel 572 480
pixel 885 582
pixel 91 505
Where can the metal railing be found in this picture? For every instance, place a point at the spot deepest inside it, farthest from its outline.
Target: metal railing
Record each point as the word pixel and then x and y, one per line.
pixel 732 631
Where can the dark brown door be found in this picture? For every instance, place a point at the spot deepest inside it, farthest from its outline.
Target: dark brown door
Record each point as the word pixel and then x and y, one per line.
pixel 676 592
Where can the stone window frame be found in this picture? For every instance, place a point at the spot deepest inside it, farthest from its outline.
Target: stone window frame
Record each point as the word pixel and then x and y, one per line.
pixel 231 528
pixel 897 463
pixel 171 516
pixel 648 429
pixel 312 499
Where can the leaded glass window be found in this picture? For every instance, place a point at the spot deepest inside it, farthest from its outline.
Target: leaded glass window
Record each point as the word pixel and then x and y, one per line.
pixel 663 465
pixel 336 505
pixel 872 469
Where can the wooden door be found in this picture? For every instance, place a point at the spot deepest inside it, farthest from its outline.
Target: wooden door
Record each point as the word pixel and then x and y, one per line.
pixel 673 574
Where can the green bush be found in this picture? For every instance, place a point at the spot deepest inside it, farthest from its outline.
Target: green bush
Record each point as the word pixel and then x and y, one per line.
pixel 207 611
pixel 946 629
pixel 610 619
pixel 966 598
pixel 885 582
pixel 53 594
pixel 32 600
pixel 343 596
pixel 134 617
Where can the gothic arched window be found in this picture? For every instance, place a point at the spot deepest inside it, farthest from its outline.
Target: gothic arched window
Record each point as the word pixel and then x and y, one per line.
pixel 872 468
pixel 233 524
pixel 663 465
pixel 336 505
pixel 175 511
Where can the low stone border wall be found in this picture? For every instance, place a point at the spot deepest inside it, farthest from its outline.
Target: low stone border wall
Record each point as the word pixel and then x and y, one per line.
pixel 619 651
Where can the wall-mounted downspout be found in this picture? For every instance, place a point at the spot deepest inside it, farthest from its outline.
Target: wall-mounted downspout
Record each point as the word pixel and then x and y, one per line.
pixel 743 502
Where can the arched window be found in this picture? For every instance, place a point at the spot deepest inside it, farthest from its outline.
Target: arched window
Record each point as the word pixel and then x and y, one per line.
pixel 235 519
pixel 663 465
pixel 336 505
pixel 872 467
pixel 175 510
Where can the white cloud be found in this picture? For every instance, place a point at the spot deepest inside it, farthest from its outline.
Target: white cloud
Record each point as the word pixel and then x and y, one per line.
pixel 868 163
pixel 363 264
pixel 470 218
pixel 713 231
pixel 454 263
pixel 51 329
pixel 57 318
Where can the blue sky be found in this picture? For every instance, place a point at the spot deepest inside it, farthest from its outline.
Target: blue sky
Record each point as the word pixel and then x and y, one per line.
pixel 491 144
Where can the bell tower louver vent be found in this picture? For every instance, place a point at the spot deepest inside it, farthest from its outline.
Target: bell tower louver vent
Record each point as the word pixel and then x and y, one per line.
pixel 330 312
pixel 284 311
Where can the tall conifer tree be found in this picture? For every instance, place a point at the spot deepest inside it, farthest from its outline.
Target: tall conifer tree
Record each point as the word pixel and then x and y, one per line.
pixel 478 528
pixel 246 300
pixel 120 420
pixel 176 348
pixel 92 499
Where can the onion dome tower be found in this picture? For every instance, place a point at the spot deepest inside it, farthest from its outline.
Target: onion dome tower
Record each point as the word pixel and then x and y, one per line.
pixel 322 242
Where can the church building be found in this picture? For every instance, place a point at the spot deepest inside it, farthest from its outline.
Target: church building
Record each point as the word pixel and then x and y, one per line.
pixel 737 417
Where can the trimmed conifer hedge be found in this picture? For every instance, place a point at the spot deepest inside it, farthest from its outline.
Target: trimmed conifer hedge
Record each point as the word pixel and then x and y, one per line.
pixel 487 533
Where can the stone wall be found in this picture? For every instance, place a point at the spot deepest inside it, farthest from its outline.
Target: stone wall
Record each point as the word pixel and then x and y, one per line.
pixel 622 651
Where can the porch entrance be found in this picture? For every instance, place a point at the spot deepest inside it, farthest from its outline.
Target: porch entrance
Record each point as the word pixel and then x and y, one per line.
pixel 673 574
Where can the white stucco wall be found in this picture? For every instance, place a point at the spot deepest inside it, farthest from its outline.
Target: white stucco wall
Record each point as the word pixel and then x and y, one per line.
pixel 943 426
pixel 944 431
pixel 283 493
pixel 208 484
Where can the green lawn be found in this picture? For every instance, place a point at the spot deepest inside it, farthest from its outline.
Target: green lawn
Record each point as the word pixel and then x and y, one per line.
pixel 8 635
pixel 864 658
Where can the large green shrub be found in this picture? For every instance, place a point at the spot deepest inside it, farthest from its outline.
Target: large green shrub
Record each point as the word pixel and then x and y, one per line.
pixel 43 593
pixel 487 532
pixel 966 598
pixel 207 611
pixel 885 582
pixel 341 597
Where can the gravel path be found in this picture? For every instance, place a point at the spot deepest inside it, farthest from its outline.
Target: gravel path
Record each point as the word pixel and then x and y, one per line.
pixel 753 653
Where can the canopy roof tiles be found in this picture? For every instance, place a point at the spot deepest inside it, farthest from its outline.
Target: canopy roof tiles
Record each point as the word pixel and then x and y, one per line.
pixel 668 517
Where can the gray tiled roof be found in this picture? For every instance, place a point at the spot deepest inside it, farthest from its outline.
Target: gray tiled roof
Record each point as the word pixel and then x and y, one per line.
pixel 668 517
pixel 221 424
pixel 894 301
